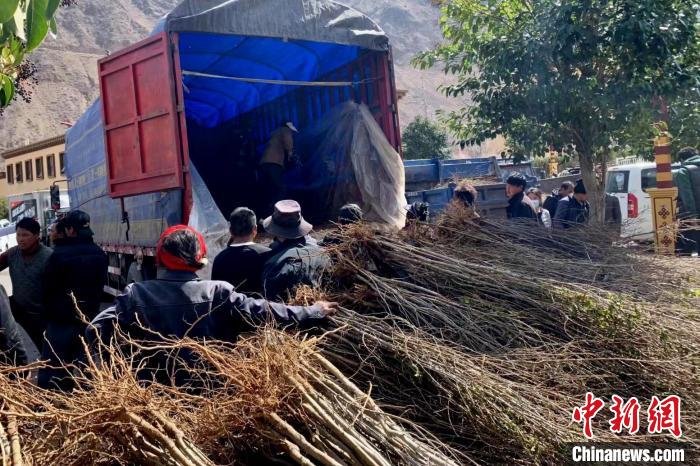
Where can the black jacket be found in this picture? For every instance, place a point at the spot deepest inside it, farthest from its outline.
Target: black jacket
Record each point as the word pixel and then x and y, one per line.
pixel 570 213
pixel 242 267
pixel 519 207
pixel 77 266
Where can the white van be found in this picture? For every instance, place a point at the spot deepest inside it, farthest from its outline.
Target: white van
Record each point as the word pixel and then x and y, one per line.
pixel 629 183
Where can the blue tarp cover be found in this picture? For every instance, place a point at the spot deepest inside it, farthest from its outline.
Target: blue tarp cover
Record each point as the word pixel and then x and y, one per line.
pixel 281 40
pixel 210 101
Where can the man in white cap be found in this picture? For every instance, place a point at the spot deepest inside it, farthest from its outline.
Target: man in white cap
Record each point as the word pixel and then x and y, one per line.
pixel 296 259
pixel 278 153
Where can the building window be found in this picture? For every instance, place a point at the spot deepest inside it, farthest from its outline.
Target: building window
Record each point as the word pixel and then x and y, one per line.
pixel 51 166
pixel 61 165
pixel 29 170
pixel 10 174
pixel 39 168
pixel 18 172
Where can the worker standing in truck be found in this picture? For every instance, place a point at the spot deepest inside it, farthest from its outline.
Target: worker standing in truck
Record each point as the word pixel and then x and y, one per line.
pixel 278 154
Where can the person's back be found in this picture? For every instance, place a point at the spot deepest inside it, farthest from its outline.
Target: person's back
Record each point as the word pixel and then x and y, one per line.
pixel 77 267
pixel 295 259
pixel 241 266
pixel 241 263
pixel 77 270
pixel 294 263
pixel 571 212
pixel 552 202
pixel 279 147
pixel 179 304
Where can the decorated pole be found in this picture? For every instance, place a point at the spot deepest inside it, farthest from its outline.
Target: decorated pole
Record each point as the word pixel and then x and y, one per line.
pixel 663 197
pixel 552 162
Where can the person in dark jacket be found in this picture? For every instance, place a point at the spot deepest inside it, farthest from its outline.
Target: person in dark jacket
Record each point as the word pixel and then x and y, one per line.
pixel 688 208
pixel 295 260
pixel 27 263
pixel 565 190
pixel 179 304
pixel 519 206
pixel 573 211
pixel 12 348
pixel 77 270
pixel 241 263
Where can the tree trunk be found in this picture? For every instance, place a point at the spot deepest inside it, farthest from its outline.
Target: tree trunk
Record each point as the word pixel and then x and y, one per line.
pixel 594 187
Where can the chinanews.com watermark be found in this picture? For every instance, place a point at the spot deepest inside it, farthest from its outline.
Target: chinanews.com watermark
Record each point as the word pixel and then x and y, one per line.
pixel 630 453
pixel 663 418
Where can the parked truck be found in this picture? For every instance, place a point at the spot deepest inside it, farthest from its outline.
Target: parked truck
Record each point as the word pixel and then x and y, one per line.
pixel 207 89
pixel 431 181
pixel 38 205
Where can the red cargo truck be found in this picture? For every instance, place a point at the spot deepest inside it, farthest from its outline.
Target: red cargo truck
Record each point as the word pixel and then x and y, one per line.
pixel 209 87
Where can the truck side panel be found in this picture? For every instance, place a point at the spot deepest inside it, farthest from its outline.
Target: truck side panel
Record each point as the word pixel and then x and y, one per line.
pixel 149 214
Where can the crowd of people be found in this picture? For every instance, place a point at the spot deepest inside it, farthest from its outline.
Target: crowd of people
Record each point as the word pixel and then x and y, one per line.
pixel 565 208
pixel 57 291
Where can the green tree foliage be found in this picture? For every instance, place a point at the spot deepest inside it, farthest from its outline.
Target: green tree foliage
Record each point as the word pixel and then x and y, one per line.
pixel 684 127
pixel 425 139
pixel 24 24
pixel 560 72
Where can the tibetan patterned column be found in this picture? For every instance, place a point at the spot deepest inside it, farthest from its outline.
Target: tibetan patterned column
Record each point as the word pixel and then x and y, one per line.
pixel 663 198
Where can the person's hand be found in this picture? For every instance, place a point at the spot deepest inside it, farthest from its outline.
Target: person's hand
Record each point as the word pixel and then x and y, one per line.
pixel 327 308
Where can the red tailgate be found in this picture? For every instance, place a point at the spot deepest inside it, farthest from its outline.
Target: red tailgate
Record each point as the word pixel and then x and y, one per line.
pixel 141 121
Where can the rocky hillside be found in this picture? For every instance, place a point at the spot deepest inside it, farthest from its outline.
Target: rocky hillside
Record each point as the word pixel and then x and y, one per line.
pixel 87 31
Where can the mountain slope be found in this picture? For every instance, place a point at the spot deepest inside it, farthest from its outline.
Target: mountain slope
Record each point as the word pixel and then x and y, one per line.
pixel 67 65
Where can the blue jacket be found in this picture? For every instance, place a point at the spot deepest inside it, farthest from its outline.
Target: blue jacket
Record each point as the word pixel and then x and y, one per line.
pixel 179 304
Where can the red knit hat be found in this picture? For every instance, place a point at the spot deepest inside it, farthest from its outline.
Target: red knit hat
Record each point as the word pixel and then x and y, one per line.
pixel 173 262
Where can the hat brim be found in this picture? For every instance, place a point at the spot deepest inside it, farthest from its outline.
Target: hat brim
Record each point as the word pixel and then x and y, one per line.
pixel 301 230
